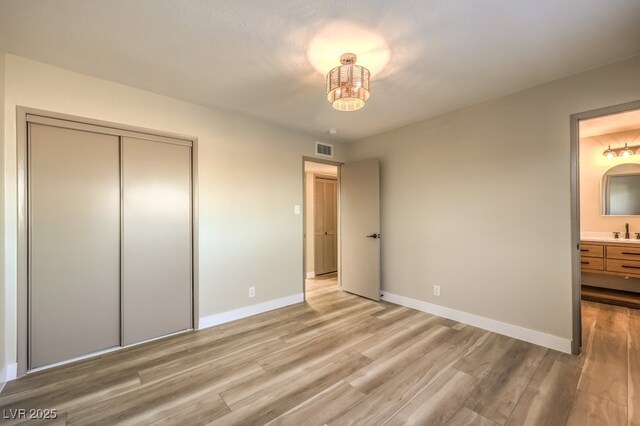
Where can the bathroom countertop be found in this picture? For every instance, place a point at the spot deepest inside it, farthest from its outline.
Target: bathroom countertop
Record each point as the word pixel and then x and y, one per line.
pixel 607 237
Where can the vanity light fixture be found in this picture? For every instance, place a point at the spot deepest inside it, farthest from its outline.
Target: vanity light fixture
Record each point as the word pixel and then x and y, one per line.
pixel 609 153
pixel 625 152
pixel 348 84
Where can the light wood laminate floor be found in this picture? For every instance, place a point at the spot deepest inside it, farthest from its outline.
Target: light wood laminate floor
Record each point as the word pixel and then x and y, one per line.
pixel 341 359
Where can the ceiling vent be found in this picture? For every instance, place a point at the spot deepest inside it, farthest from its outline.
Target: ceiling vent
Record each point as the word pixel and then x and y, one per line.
pixel 324 149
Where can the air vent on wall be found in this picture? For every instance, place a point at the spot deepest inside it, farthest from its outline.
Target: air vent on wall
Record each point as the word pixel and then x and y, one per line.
pixel 324 149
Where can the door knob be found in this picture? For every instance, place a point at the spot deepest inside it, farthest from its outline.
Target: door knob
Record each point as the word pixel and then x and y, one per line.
pixel 373 236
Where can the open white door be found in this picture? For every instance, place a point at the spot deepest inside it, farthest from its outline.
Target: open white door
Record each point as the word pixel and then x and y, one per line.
pixel 360 227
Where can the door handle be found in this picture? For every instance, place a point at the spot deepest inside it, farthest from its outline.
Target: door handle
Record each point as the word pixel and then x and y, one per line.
pixel 373 236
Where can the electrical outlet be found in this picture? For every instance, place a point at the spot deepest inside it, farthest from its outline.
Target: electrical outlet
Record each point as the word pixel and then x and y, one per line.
pixel 436 290
pixel 252 292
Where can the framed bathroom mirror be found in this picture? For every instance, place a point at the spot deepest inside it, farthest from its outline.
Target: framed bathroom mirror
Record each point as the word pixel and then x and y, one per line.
pixel 621 190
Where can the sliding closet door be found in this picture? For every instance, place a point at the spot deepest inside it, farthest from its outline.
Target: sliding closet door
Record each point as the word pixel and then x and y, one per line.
pixel 74 243
pixel 156 239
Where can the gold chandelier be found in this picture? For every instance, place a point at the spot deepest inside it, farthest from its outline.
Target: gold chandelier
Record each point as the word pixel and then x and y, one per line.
pixel 348 84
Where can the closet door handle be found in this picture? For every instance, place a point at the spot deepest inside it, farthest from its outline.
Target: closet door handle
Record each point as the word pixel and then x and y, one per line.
pixel 374 236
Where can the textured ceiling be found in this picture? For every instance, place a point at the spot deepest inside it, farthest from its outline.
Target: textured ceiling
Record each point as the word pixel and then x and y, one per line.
pixel 257 57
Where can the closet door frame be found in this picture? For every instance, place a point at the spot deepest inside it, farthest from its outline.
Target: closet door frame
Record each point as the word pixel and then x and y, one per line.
pixel 24 115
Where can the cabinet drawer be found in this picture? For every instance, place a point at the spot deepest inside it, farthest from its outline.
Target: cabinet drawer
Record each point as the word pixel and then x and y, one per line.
pixel 628 252
pixel 591 250
pixel 627 267
pixel 591 263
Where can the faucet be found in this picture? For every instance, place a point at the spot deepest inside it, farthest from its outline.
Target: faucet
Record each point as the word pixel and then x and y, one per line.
pixel 626 231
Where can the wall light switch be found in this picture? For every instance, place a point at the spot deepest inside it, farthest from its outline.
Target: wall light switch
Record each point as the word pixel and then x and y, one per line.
pixel 436 290
pixel 296 209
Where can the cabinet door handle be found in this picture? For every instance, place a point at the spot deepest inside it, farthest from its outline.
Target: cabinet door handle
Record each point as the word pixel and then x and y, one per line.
pixel 630 267
pixel 632 254
pixel 584 263
pixel 584 249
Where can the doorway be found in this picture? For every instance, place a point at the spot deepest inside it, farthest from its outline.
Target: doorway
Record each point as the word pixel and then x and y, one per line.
pixel 356 213
pixel 321 236
pixel 598 256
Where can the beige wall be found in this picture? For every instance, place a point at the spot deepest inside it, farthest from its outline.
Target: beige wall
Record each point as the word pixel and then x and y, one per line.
pixel 593 165
pixel 249 182
pixel 478 200
pixel 3 312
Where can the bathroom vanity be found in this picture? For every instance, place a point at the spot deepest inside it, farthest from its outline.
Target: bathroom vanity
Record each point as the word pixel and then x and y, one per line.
pixel 611 270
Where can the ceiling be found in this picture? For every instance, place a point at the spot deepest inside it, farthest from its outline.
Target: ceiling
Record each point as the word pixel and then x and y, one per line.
pixel 614 123
pixel 257 57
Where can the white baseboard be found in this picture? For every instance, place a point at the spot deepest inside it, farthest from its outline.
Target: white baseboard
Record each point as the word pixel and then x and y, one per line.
pixel 311 274
pixel 12 371
pixel 248 311
pixel 9 372
pixel 510 330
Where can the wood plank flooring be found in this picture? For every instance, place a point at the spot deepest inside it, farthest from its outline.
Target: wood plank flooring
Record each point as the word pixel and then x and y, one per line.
pixel 340 359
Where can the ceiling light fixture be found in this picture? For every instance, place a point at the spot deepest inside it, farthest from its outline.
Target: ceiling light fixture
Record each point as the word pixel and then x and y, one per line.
pixel 625 152
pixel 348 84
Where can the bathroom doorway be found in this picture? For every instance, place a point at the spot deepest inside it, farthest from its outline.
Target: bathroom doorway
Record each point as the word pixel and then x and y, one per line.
pixel 605 186
pixel 321 225
pixel 610 209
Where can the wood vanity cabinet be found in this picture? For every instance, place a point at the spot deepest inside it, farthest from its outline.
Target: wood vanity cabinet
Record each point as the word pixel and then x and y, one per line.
pixel 610 258
pixel 591 257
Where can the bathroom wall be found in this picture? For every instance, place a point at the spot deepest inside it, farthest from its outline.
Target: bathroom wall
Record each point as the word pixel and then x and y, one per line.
pixel 592 166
